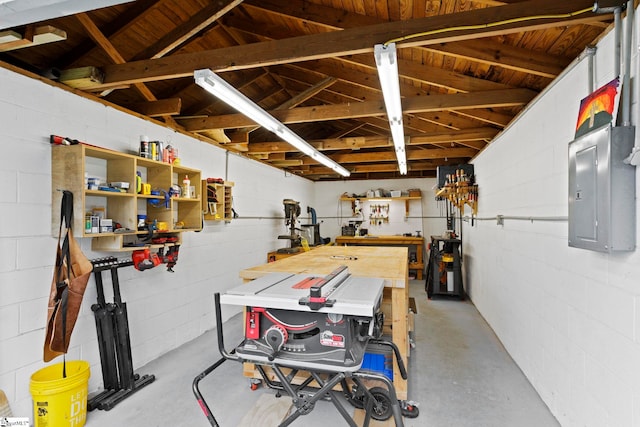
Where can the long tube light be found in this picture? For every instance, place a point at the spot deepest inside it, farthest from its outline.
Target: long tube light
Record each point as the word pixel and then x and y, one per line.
pixel 222 90
pixel 387 64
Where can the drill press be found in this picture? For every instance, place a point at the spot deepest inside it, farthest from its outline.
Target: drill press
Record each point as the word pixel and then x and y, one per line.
pixel 291 213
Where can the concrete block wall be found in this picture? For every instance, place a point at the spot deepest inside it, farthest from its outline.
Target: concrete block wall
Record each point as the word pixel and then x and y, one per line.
pixel 569 317
pixel 165 310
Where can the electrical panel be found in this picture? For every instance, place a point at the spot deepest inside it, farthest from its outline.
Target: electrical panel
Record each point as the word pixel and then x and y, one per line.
pixel 602 191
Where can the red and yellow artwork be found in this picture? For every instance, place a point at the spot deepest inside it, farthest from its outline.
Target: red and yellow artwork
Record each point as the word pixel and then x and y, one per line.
pixel 598 108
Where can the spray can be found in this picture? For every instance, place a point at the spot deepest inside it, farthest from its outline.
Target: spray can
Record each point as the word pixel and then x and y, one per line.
pixel 159 150
pixel 144 146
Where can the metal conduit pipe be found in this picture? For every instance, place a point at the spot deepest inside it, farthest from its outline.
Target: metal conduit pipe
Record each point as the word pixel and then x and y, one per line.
pixel 501 218
pixel 617 14
pixel 626 83
pixel 226 166
pixel 590 51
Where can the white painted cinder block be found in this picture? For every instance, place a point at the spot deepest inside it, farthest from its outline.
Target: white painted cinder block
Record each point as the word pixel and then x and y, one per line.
pixel 8 315
pixel 7 256
pixel 33 315
pixel 584 304
pixel 35 252
pixel 34 283
pixel 15 348
pixel 9 193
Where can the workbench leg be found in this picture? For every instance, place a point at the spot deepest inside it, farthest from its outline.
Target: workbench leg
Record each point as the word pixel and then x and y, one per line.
pixel 400 335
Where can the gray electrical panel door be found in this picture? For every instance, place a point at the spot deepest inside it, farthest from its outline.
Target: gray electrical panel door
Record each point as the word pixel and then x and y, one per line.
pixel 602 191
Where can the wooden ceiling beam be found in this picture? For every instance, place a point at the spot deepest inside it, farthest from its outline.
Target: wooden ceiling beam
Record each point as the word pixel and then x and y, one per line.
pixel 460 136
pixel 356 40
pixel 118 26
pixel 454 118
pixel 411 70
pixel 99 38
pixel 362 142
pixel 437 121
pixel 486 51
pixel 487 116
pixel 307 93
pixel 373 168
pixel 514 58
pixel 485 99
pixel 389 156
pixel 498 3
pixel 294 101
pixel 163 107
pixel 416 122
pixel 418 73
pixel 102 41
pixel 347 130
pixel 186 31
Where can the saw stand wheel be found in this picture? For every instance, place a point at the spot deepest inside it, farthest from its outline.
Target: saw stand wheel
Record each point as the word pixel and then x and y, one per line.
pixel 358 397
pixel 381 409
pixel 254 384
pixel 409 408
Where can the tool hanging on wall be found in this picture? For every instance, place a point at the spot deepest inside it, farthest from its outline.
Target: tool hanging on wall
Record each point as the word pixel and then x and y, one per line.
pixel 170 258
pixel 62 140
pixel 144 259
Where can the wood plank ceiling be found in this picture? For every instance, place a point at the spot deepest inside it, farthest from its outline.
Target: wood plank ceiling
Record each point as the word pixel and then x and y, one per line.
pixel 467 69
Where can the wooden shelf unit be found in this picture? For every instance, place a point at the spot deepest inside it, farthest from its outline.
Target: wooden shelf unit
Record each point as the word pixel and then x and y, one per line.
pixel 70 165
pixel 223 206
pixel 406 199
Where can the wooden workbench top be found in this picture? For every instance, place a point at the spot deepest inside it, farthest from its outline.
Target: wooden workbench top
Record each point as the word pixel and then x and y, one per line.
pixel 388 263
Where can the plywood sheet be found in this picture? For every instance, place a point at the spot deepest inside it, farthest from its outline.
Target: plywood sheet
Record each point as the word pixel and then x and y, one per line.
pixel 388 263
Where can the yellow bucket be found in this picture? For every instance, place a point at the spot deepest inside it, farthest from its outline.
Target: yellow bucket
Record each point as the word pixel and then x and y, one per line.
pixel 58 401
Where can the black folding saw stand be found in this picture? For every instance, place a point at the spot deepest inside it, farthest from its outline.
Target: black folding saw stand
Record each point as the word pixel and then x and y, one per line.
pixel 112 326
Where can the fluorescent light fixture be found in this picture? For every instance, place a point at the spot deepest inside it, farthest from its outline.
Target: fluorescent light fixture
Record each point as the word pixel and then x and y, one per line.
pixel 387 63
pixel 222 90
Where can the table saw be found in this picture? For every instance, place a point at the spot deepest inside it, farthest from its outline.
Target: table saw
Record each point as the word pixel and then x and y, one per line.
pixel 320 325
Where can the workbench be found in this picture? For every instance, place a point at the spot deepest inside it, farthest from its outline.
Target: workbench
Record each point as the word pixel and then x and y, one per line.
pixel 387 263
pixel 408 241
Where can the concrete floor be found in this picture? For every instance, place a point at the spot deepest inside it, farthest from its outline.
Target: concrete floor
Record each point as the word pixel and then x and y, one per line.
pixel 460 375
